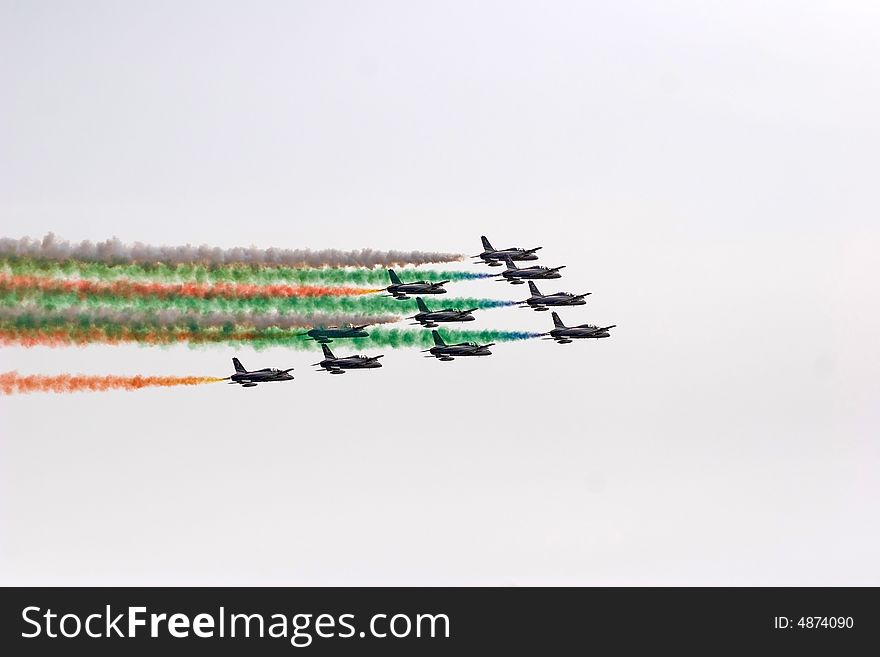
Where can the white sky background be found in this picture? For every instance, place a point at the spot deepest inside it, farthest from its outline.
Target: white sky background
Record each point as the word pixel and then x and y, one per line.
pixel 708 170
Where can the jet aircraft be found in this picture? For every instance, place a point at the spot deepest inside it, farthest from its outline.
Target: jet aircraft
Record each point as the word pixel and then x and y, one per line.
pixel 429 318
pixel 443 351
pixel 517 276
pixel 399 289
pixel 565 334
pixel 540 301
pixel 336 365
pixel 493 257
pixel 250 379
pixel 326 334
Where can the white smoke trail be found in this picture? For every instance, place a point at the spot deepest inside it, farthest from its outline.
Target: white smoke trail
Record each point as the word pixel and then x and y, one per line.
pixel 114 251
pixel 131 317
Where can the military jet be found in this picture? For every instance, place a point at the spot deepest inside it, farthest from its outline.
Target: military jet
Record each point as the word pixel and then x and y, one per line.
pixel 429 318
pixel 565 334
pixel 326 334
pixel 336 365
pixel 493 257
pixel 250 379
pixel 399 289
pixel 517 276
pixel 540 301
pixel 443 351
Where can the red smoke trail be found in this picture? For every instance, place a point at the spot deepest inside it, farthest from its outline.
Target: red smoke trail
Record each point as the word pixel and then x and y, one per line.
pixel 130 289
pixel 12 382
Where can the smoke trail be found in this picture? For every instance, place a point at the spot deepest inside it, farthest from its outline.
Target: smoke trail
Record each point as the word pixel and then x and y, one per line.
pixel 32 316
pixel 398 338
pixel 13 382
pixel 113 251
pixel 356 305
pixel 126 288
pixel 19 336
pixel 226 274
pixel 108 334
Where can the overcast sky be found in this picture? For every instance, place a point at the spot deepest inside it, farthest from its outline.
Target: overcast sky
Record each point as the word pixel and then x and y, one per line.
pixel 708 170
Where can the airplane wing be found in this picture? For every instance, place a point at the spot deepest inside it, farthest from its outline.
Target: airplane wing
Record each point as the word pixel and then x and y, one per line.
pixel 439 283
pixel 467 312
pixel 537 248
pixel 555 268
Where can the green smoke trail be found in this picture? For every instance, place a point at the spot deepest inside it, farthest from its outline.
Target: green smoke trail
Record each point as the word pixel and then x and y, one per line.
pixel 29 330
pixel 225 274
pixel 364 305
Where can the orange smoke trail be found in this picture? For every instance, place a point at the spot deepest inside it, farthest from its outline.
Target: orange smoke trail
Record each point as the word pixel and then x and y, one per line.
pixel 129 289
pixel 13 382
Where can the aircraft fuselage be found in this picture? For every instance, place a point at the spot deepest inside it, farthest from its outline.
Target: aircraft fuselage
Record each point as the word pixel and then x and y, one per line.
pixel 335 365
pixel 325 335
pixel 453 350
pixel 401 290
pixel 443 316
pixel 556 300
pixel 576 332
pixel 495 258
pixel 531 273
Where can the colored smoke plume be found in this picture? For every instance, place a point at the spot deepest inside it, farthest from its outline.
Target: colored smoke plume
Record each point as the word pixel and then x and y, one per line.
pixel 108 334
pixel 358 304
pixel 15 383
pixel 114 251
pixel 259 275
pixel 129 289
pixel 34 316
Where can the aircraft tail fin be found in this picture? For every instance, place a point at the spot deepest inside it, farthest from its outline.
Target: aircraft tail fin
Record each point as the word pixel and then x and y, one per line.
pixel 421 304
pixel 510 263
pixel 438 341
pixel 395 280
pixel 238 366
pixel 486 245
pixel 557 322
pixel 534 289
pixel 327 353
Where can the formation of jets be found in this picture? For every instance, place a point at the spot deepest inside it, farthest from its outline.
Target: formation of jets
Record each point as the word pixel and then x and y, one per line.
pixel 560 333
